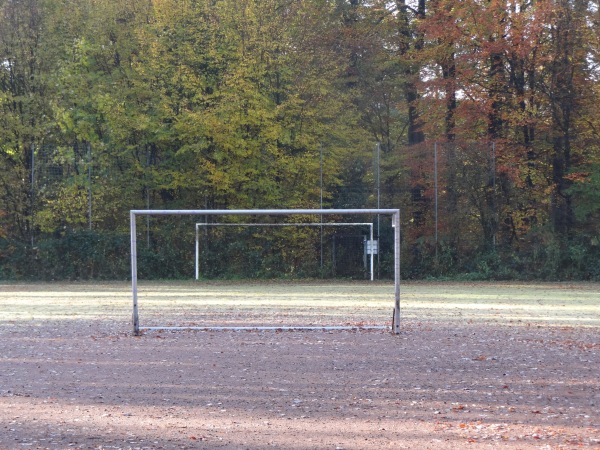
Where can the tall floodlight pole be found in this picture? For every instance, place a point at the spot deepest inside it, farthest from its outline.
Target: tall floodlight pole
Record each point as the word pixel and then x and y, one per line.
pixel 32 190
pixel 89 155
pixel 494 189
pixel 378 177
pixel 147 197
pixel 378 149
pixel 321 201
pixel 435 189
pixel 197 256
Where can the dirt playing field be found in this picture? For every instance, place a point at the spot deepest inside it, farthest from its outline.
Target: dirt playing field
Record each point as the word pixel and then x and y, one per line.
pixel 476 366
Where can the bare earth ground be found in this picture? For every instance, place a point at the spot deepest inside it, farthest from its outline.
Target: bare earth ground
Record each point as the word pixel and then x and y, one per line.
pixel 475 367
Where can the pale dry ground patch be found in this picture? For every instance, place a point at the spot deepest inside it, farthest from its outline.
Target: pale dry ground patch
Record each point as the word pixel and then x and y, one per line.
pixel 477 365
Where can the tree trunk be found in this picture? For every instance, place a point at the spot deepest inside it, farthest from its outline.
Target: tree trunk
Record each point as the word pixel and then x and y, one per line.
pixel 568 58
pixel 411 40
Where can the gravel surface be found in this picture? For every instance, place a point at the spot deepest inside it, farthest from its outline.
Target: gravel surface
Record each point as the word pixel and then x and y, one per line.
pixel 89 384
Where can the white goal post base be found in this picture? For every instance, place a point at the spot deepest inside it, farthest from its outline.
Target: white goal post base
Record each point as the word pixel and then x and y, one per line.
pixel 274 328
pixel 395 213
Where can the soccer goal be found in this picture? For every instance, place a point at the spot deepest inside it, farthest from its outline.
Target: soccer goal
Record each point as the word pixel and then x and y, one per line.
pixel 370 245
pixel 202 294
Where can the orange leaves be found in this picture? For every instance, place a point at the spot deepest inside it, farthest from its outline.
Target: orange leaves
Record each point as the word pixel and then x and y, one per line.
pixel 578 177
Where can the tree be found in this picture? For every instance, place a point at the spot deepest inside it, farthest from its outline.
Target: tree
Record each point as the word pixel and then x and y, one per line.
pixel 25 123
pixel 564 85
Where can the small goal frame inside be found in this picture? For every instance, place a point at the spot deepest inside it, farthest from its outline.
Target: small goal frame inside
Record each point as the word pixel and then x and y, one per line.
pixel 395 213
pixel 286 224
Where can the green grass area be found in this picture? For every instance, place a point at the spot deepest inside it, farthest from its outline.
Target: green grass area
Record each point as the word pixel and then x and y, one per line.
pixel 551 303
pixel 297 303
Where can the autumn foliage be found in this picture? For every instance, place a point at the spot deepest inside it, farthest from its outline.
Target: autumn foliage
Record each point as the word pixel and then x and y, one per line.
pixel 484 116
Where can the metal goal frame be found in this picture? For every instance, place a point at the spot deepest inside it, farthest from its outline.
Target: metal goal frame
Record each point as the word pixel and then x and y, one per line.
pixel 285 224
pixel 395 213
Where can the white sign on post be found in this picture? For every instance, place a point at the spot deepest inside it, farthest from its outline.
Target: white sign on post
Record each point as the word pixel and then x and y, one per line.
pixel 372 247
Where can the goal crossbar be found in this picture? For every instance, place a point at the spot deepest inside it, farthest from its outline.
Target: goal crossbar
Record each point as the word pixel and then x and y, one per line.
pixel 285 224
pixel 395 213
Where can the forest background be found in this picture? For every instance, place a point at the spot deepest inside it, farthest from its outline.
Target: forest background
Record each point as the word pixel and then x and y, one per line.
pixel 478 119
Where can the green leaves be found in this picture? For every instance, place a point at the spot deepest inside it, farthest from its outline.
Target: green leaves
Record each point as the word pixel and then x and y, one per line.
pixel 279 104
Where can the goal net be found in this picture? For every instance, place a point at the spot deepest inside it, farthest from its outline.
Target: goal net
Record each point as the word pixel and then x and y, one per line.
pixel 308 269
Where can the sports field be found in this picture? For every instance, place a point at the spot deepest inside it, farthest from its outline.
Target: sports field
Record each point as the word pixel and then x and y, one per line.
pixel 477 365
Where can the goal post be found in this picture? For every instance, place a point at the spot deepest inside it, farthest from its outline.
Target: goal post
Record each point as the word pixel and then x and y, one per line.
pixel 394 213
pixel 370 243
